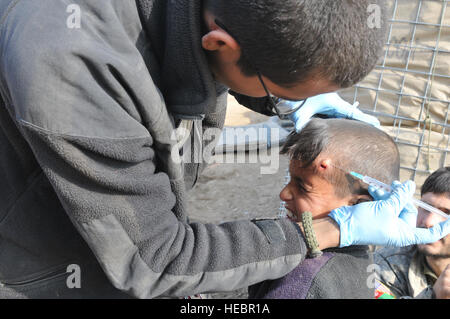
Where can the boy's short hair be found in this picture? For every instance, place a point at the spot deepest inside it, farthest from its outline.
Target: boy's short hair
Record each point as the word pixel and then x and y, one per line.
pixel 438 182
pixel 352 146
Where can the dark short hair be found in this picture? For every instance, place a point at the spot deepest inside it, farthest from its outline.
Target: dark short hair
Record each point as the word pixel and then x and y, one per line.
pixel 352 146
pixel 438 182
pixel 290 40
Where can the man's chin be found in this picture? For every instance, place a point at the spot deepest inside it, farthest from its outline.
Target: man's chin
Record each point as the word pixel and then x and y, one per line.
pixel 432 250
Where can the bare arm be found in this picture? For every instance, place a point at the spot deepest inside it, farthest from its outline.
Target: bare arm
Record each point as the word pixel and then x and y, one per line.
pixel 327 232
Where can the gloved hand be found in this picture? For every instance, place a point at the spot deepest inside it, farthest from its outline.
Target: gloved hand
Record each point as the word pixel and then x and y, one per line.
pixel 408 214
pixel 330 105
pixel 386 222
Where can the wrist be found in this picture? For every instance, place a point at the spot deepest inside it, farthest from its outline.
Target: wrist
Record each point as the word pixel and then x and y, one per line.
pixel 327 232
pixel 310 236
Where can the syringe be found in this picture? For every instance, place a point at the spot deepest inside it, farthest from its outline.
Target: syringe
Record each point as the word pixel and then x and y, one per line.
pixel 373 182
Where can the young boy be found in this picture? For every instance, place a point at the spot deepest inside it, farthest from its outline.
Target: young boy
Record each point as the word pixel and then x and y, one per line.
pixel 321 157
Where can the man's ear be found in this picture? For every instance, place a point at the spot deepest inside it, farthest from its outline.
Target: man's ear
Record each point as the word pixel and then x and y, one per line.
pixel 219 40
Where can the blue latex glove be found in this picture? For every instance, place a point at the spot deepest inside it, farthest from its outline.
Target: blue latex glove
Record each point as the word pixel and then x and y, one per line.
pixel 386 222
pixel 408 214
pixel 330 105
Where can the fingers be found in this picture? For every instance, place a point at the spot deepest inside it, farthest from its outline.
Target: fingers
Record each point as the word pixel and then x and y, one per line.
pixel 303 116
pixel 341 109
pixel 433 234
pixel 336 102
pixel 378 193
pixel 409 215
pixel 360 116
pixel 400 197
pixel 331 105
pixel 396 184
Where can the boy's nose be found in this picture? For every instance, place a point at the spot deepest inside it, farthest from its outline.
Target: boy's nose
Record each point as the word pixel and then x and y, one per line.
pixel 285 194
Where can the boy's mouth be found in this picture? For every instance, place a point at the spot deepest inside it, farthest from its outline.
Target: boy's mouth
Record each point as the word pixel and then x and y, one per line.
pixel 291 214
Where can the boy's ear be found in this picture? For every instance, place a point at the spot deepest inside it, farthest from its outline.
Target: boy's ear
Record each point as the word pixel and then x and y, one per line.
pixel 324 165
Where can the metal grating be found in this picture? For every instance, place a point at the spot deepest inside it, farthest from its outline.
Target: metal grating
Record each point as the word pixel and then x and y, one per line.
pixel 410 87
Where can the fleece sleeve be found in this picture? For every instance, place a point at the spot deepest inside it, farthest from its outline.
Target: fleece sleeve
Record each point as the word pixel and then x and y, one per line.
pixel 86 103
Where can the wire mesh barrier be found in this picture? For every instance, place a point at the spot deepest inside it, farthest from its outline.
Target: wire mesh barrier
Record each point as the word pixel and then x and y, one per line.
pixel 409 89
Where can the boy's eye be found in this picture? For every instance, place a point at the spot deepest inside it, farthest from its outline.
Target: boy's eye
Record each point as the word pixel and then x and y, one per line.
pixel 300 186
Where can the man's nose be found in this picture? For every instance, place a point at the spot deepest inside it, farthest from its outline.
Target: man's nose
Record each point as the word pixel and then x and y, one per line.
pixel 427 219
pixel 285 194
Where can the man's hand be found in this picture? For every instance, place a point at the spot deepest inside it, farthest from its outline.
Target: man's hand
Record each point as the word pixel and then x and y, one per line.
pixel 330 105
pixel 386 222
pixel 442 286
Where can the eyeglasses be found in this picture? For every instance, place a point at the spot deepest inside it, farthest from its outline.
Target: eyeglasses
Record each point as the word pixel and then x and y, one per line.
pixel 281 107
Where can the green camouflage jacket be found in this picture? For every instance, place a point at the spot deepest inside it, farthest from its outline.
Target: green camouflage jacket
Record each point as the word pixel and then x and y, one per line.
pixel 403 273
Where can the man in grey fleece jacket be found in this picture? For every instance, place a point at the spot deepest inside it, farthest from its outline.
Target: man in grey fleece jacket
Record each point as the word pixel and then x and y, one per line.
pixel 91 92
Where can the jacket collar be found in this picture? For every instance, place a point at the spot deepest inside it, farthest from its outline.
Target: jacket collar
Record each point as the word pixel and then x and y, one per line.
pixel 419 274
pixel 174 29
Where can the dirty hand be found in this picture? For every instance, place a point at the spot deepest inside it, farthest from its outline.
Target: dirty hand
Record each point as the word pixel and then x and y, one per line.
pixel 442 286
pixel 330 105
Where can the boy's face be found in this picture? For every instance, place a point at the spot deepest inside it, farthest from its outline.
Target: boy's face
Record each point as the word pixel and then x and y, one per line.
pixel 440 248
pixel 308 191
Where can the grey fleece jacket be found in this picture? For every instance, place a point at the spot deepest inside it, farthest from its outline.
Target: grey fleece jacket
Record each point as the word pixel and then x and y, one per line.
pixel 340 273
pixel 88 175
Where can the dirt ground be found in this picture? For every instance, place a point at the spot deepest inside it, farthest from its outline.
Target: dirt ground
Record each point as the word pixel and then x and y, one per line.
pixel 227 192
